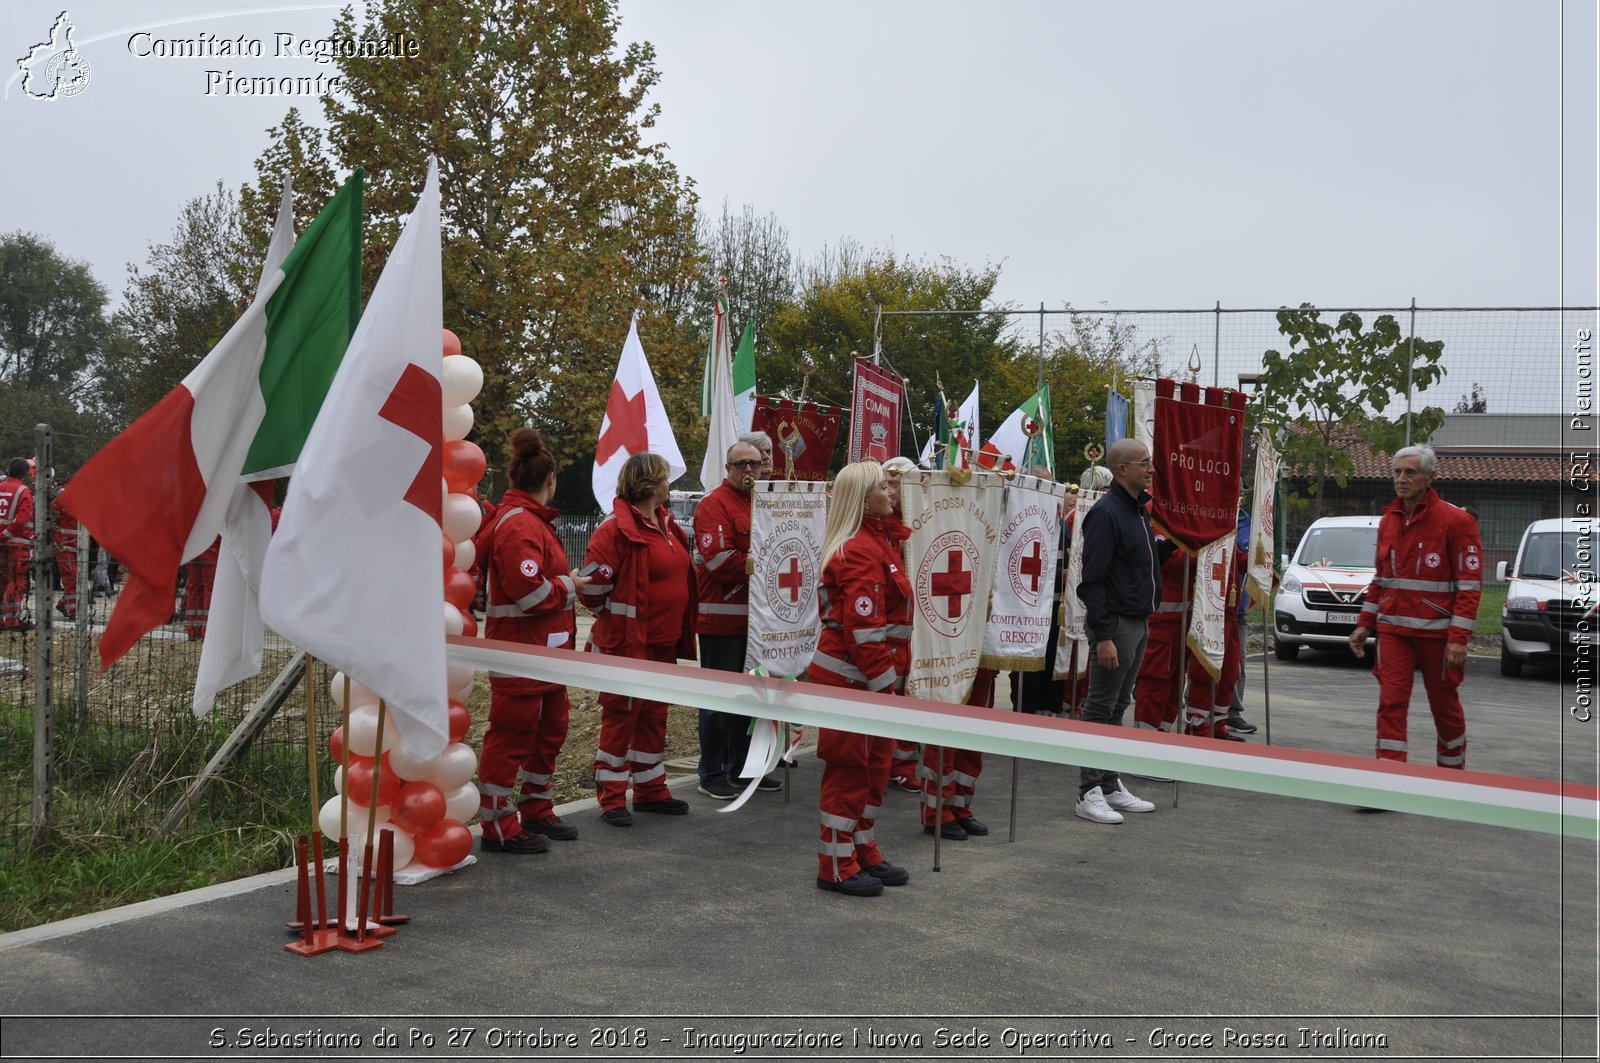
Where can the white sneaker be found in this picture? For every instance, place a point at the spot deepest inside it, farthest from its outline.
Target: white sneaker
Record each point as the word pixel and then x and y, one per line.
pixel 1123 800
pixel 1092 806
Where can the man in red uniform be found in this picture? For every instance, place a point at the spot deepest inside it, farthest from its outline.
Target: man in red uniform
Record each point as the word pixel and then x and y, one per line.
pixel 1155 697
pixel 1423 601
pixel 198 576
pixel 722 619
pixel 65 538
pixel 16 544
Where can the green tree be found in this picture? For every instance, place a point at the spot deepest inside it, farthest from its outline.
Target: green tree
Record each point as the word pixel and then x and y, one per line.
pixel 52 316
pixel 752 252
pixel 560 217
pixel 298 152
pixel 1334 386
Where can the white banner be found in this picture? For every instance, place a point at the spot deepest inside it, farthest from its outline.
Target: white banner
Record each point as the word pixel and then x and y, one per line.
pixel 1022 595
pixel 1208 637
pixel 1263 534
pixel 954 519
pixel 787 518
pixel 1144 413
pixel 1072 640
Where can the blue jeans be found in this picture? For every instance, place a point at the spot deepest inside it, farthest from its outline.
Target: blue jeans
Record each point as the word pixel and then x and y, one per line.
pixel 1111 690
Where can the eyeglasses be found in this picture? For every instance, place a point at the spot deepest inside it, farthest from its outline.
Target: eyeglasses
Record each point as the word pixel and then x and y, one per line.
pixel 744 464
pixel 1145 462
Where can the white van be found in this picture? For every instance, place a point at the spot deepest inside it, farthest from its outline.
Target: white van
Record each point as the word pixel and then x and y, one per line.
pixel 1550 603
pixel 1324 584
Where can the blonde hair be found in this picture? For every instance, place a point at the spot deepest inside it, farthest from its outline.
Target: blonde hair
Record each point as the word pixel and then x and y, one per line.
pixel 848 503
pixel 639 475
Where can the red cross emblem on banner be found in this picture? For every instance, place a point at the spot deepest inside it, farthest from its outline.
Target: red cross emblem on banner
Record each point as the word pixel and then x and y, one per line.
pixel 414 406
pixel 1033 566
pixel 627 431
pixel 953 584
pixel 1219 571
pixel 790 580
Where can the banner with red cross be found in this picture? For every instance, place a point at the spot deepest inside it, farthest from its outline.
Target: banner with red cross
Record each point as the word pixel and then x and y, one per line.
pixel 803 434
pixel 1197 455
pixel 874 413
pixel 955 525
pixel 787 519
pixel 1022 595
pixel 1208 613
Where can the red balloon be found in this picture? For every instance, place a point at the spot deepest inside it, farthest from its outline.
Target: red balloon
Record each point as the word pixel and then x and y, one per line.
pixel 459 587
pixel 418 806
pixel 445 844
pixel 464 464
pixel 452 345
pixel 460 721
pixel 449 552
pixel 336 745
pixel 358 781
pixel 469 624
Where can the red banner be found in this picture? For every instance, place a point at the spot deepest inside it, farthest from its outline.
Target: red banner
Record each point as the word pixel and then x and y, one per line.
pixel 802 434
pixel 1198 457
pixel 874 414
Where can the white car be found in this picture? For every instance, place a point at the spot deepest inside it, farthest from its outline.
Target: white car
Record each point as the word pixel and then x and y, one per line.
pixel 1550 603
pixel 1319 599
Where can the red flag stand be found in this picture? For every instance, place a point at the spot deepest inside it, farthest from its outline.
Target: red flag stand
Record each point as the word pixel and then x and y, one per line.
pixel 315 936
pixel 384 911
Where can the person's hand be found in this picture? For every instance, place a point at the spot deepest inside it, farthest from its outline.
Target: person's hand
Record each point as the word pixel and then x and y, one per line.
pixel 1455 655
pixel 1105 651
pixel 1358 642
pixel 580 582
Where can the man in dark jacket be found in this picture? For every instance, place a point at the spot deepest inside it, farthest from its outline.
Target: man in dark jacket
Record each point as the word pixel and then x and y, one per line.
pixel 1120 565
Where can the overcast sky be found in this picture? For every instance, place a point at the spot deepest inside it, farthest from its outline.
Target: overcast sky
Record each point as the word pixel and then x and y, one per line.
pixel 1121 154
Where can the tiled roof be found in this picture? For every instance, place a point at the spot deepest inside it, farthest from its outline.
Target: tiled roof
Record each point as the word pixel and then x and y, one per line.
pixel 1511 464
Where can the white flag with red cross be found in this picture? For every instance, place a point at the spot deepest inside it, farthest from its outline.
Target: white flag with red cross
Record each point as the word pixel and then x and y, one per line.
pixel 787 521
pixel 1208 616
pixel 1023 600
pixel 955 531
pixel 635 421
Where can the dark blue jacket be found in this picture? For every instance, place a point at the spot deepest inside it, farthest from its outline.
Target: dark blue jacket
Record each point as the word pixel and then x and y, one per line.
pixel 1121 562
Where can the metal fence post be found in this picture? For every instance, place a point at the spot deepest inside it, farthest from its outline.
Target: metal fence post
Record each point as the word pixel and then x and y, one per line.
pixel 1411 365
pixel 43 694
pixel 80 629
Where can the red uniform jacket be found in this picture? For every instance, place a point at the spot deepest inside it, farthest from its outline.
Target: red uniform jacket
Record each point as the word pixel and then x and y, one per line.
pixel 618 591
pixel 65 536
pixel 722 548
pixel 865 602
pixel 530 593
pixel 1177 579
pixel 16 514
pixel 1430 572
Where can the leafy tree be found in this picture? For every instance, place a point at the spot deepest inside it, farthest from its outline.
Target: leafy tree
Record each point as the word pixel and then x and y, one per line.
pixel 1476 402
pixel 52 316
pixel 560 218
pixel 179 305
pixel 297 151
pixel 76 432
pixel 753 253
pixel 1334 385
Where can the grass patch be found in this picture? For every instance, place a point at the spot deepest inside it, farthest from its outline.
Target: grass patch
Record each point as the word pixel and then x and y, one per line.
pixel 1489 609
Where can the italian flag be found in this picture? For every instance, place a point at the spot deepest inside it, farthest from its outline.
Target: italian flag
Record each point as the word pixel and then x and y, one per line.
pixel 744 379
pixel 1025 439
pixel 160 492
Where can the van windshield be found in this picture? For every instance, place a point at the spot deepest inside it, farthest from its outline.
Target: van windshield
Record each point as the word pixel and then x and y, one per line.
pixel 1552 555
pixel 1338 548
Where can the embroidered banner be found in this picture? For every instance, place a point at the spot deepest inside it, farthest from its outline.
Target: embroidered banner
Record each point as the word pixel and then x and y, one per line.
pixel 874 414
pixel 1208 611
pixel 786 524
pixel 1198 457
pixel 954 519
pixel 1072 640
pixel 803 434
pixel 1022 596
pixel 1144 413
pixel 1263 519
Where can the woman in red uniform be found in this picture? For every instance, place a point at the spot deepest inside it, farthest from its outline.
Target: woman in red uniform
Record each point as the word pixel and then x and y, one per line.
pixel 643 595
pixel 530 595
pixel 865 602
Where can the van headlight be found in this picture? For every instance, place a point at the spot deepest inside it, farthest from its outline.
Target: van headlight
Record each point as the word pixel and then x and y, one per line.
pixel 1290 585
pixel 1522 605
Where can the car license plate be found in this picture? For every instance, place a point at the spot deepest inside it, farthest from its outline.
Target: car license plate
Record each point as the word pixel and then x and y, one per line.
pixel 1588 638
pixel 1343 618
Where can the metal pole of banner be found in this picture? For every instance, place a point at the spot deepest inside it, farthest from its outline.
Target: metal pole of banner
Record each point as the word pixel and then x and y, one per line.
pixel 43 691
pixel 1411 364
pixel 1266 674
pixel 1180 725
pixel 1041 347
pixel 877 335
pixel 1216 345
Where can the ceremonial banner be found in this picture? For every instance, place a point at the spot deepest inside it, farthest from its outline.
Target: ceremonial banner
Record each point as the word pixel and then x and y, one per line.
pixel 950 562
pixel 874 414
pixel 1022 598
pixel 1144 413
pixel 1116 417
pixel 1198 454
pixel 1263 533
pixel 1208 612
pixel 803 434
pixel 1072 639
pixel 787 519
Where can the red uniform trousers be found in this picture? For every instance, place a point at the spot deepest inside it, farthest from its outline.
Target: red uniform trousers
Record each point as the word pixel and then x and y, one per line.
pixel 855 774
pixel 14 561
pixel 1398 657
pixel 1160 687
pixel 633 741
pixel 903 761
pixel 959 769
pixel 1206 705
pixel 525 732
pixel 197 596
pixel 67 565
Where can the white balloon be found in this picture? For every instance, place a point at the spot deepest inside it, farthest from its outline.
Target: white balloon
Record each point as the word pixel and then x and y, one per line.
pixel 359 694
pixel 404 765
pixel 364 730
pixel 461 804
pixel 466 555
pixel 458 676
pixel 461 517
pixel 464 691
pixel 453 768
pixel 404 847
pixel 453 624
pixel 328 818
pixel 457 421
pixel 460 380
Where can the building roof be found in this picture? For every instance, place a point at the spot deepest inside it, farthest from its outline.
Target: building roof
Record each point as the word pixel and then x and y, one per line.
pixel 1479 447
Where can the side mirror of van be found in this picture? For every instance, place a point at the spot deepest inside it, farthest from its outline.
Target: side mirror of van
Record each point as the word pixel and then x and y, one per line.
pixel 1283 561
pixel 1500 571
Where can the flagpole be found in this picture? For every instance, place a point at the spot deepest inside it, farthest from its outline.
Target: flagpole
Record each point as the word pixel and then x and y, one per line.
pixel 344 806
pixel 368 875
pixel 316 805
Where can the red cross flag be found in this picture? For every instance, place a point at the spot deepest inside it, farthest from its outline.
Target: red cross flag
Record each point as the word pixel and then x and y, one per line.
pixel 1023 598
pixel 634 421
pixel 787 520
pixel 352 574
